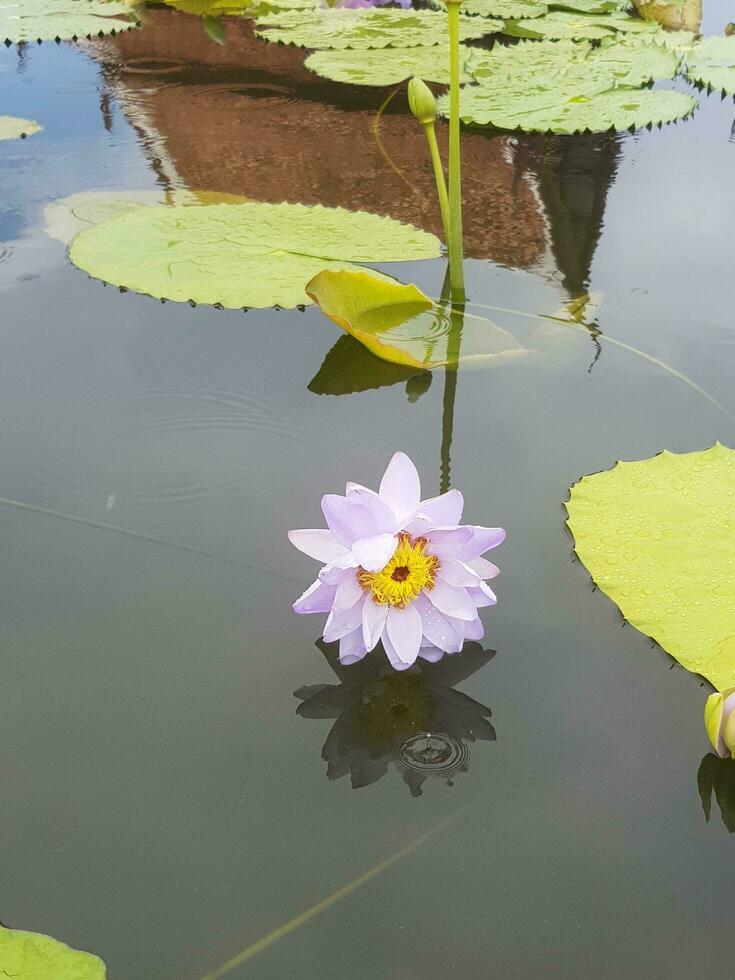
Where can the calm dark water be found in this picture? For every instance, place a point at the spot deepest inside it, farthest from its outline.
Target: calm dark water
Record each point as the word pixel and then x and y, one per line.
pixel 161 803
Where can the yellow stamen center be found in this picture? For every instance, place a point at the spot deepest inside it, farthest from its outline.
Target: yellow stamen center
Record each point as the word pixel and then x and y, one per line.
pixel 409 572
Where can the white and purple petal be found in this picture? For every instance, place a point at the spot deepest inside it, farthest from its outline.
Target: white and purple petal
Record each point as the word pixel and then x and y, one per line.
pixel 442 511
pixel 400 487
pixel 318 598
pixel 374 615
pixel 374 552
pixel 452 601
pixel 404 630
pixel 318 543
pixel 481 539
pixel 351 648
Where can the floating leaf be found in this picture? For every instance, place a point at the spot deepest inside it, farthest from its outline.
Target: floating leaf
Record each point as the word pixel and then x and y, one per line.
pixel 400 324
pixel 340 29
pixel 562 25
pixel 590 6
pixel 568 87
pixel 240 255
pixel 13 129
pixel 658 537
pixel 349 367
pixel 500 8
pixel 48 20
pixel 711 62
pixel 383 66
pixel 31 956
pixel 68 216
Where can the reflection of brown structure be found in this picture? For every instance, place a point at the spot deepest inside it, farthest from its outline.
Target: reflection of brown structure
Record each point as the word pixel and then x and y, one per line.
pixel 247 118
pixel 574 175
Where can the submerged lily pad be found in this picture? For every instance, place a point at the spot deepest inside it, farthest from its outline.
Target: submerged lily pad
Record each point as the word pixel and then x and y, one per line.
pixel 356 29
pixel 672 14
pixel 711 62
pixel 240 255
pixel 384 66
pixel 568 87
pixel 12 128
pixel 562 25
pixel 31 956
pixel 658 537
pixel 49 20
pixel 400 324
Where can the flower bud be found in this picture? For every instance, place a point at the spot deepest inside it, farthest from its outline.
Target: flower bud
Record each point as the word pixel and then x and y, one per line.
pixel 719 720
pixel 421 101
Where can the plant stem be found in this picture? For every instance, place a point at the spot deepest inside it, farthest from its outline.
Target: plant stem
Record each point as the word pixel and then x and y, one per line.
pixel 456 272
pixel 441 187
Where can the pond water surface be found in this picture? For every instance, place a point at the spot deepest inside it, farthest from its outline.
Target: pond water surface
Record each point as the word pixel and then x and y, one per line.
pixel 161 802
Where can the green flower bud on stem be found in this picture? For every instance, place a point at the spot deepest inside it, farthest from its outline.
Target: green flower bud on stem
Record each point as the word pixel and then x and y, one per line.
pixel 421 101
pixel 423 106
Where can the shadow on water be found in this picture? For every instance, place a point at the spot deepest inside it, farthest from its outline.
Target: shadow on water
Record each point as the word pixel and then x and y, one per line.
pixel 414 721
pixel 717 776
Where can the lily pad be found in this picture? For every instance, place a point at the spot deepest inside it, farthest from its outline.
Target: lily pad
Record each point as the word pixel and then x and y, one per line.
pixel 240 255
pixel 500 8
pixel 658 537
pixel 49 20
pixel 383 66
pixel 589 6
pixel 400 324
pixel 562 25
pixel 711 62
pixel 13 129
pixel 356 29
pixel 65 218
pixel 31 956
pixel 568 87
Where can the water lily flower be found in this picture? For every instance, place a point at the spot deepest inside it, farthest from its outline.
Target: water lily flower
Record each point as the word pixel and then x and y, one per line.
pixel 398 570
pixel 719 720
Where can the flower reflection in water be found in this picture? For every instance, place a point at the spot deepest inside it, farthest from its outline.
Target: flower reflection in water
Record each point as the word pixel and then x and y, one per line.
pixel 414 721
pixel 718 775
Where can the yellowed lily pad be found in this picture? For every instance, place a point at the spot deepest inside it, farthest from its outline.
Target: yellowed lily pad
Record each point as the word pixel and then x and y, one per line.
pixel 240 255
pixel 400 324
pixel 658 537
pixel 31 956
pixel 12 128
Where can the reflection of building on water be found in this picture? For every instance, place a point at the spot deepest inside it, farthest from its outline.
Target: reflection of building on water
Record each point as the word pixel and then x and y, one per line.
pixel 247 118
pixel 574 175
pixel 414 721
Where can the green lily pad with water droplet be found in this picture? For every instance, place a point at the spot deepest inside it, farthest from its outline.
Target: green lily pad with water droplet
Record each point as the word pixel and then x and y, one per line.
pixel 658 537
pixel 569 87
pixel 31 956
pixel 384 66
pixel 240 255
pixel 49 20
pixel 400 324
pixel 359 29
pixel 711 62
pixel 12 128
